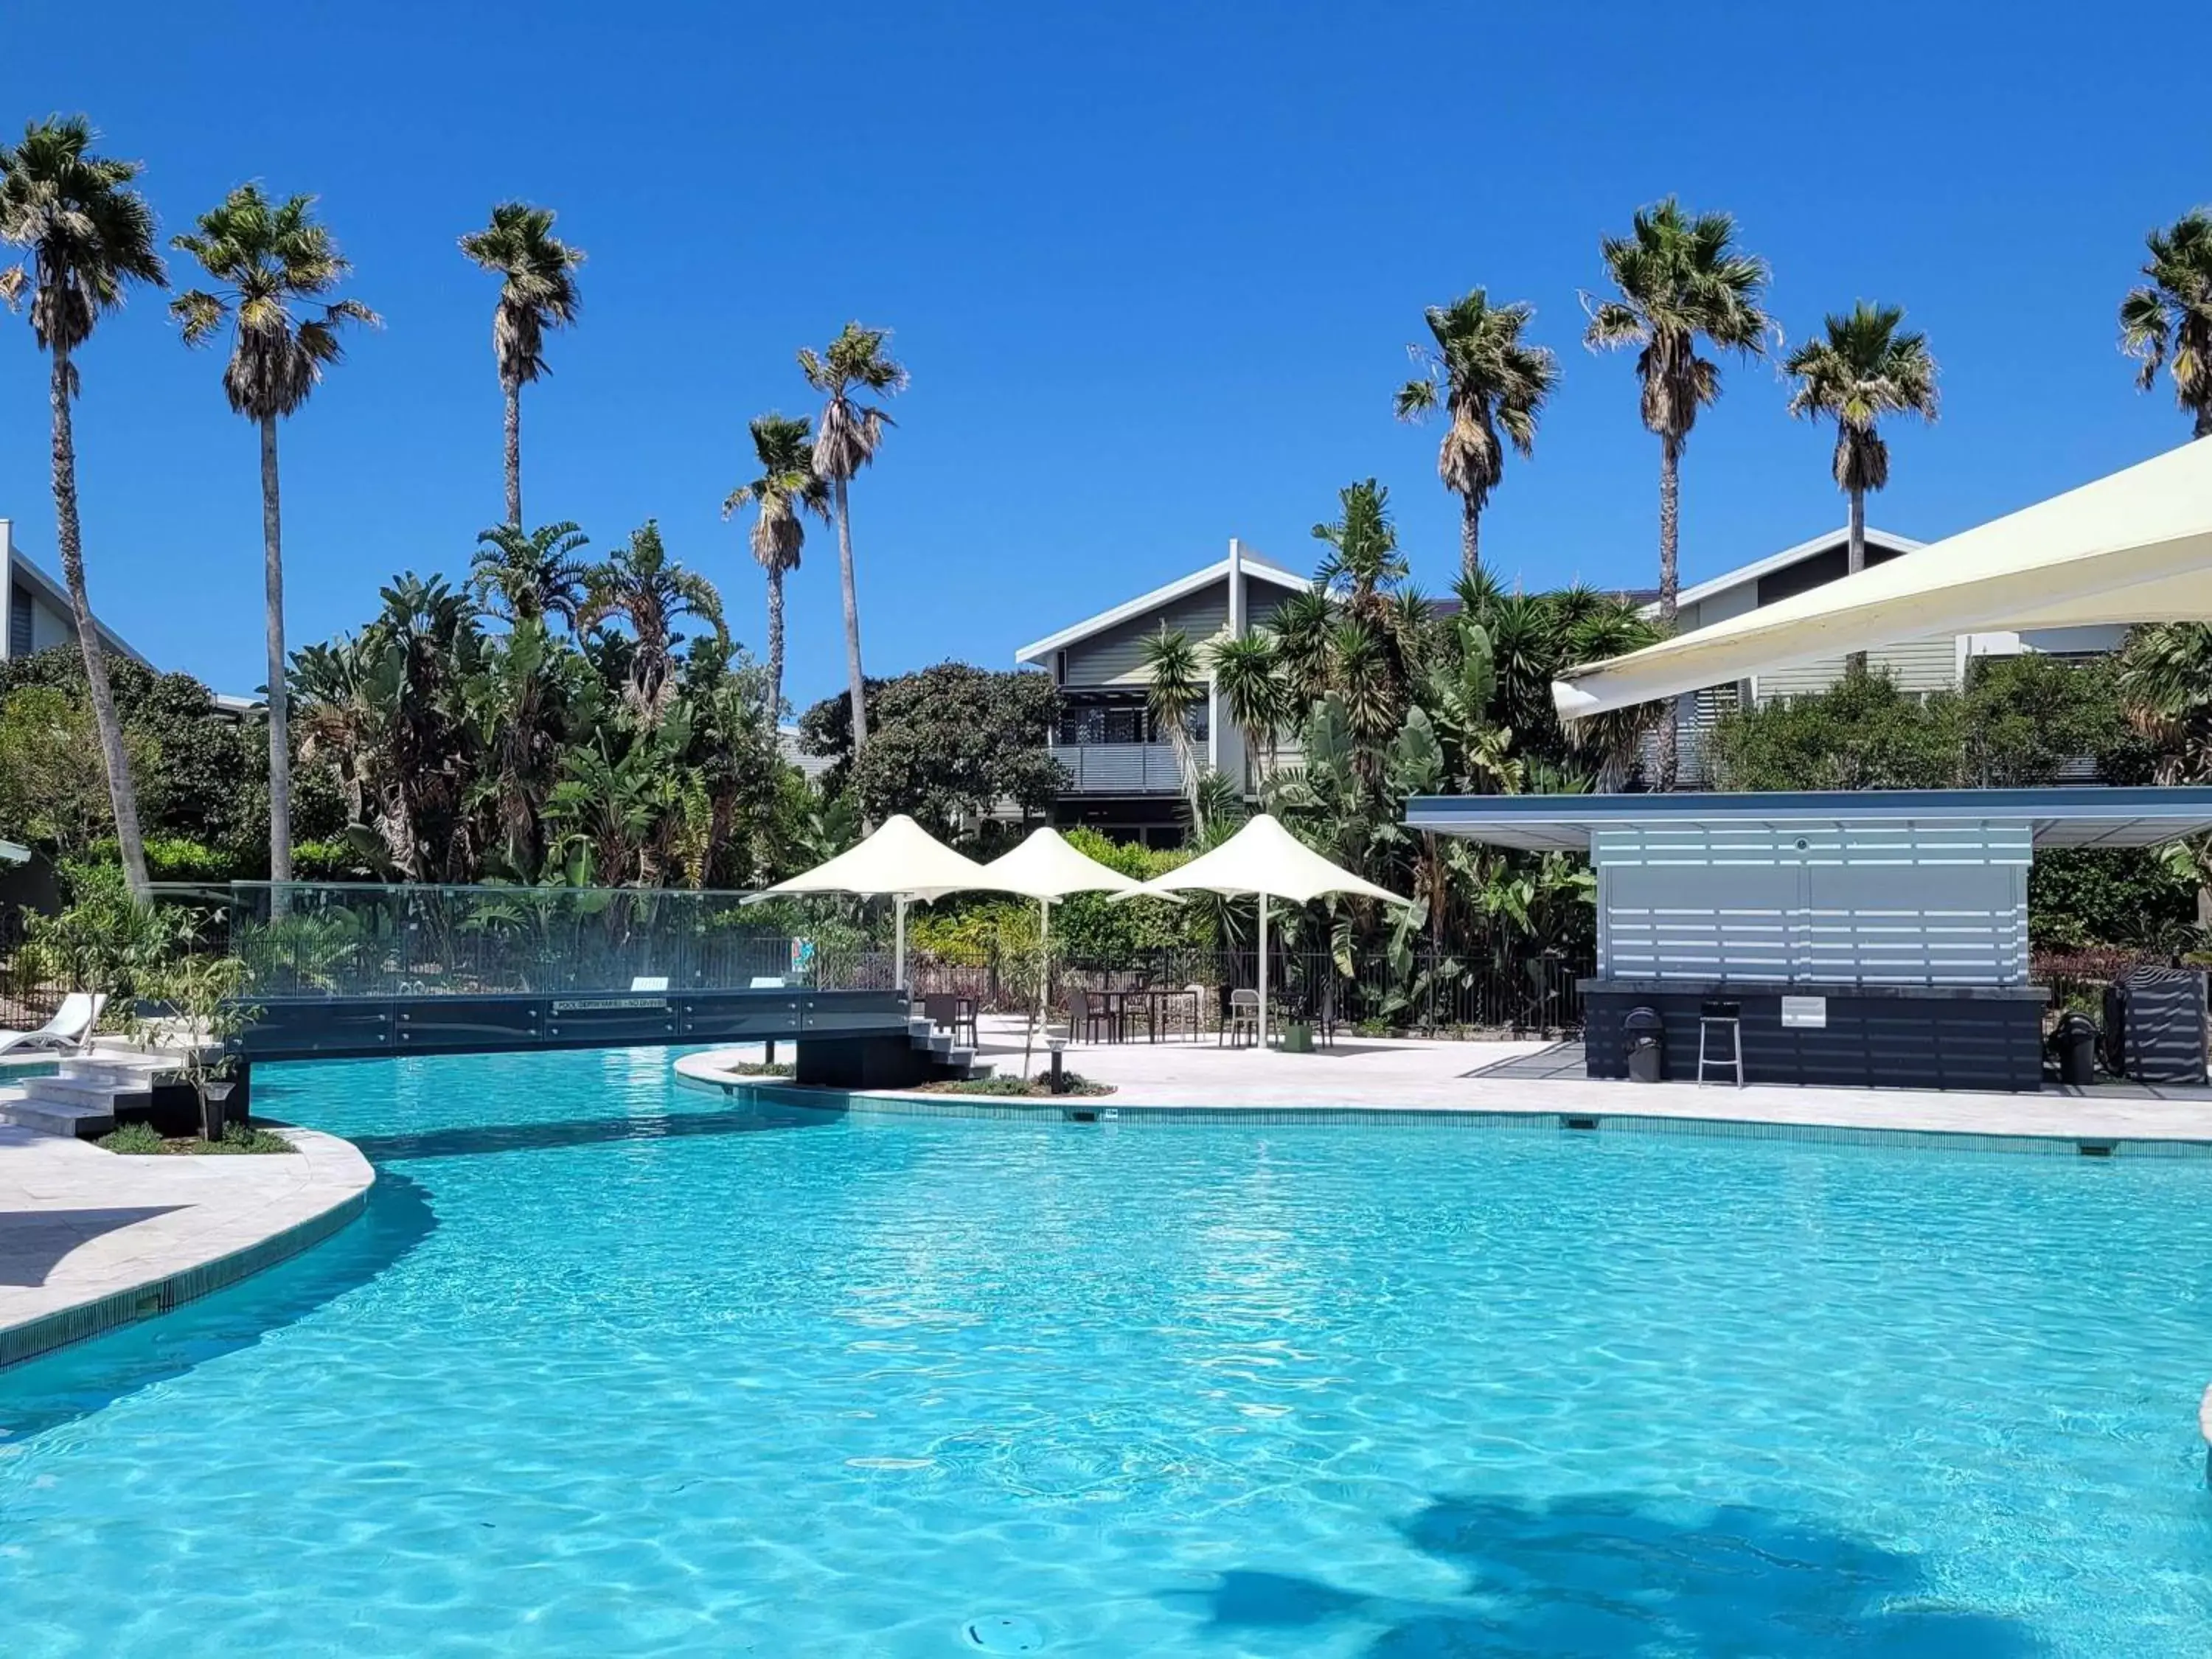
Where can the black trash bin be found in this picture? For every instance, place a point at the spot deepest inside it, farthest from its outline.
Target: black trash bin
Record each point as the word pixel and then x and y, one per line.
pixel 1646 1036
pixel 2075 1044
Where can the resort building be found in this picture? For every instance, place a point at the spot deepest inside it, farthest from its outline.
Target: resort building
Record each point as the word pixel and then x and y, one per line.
pixel 1938 662
pixel 1122 777
pixel 35 608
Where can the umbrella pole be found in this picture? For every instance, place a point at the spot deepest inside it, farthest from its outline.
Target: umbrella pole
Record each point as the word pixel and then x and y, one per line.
pixel 898 942
pixel 1263 971
pixel 1044 983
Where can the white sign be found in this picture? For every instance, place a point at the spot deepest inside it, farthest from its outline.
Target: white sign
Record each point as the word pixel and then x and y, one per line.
pixel 1805 1012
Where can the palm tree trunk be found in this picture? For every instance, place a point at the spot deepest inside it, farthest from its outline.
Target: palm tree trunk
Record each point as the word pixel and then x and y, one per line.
pixel 279 740
pixel 1855 561
pixel 70 537
pixel 859 688
pixel 1470 536
pixel 515 456
pixel 774 643
pixel 1670 580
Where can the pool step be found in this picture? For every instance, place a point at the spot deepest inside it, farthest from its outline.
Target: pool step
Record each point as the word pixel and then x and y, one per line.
pixel 957 1064
pixel 54 1117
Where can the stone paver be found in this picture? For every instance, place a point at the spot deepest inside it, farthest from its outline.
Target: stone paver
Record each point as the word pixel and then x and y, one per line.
pixel 85 1234
pixel 1414 1076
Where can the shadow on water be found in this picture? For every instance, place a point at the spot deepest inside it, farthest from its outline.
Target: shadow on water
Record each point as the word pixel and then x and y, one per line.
pixel 1614 1574
pixel 468 1140
pixel 78 1380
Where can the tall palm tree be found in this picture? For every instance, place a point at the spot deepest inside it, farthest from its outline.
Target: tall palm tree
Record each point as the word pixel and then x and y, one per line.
pixel 1487 382
pixel 1866 367
pixel 650 591
pixel 270 256
pixel 788 485
pixel 2168 322
pixel 1680 278
pixel 86 237
pixel 538 291
pixel 530 576
pixel 845 441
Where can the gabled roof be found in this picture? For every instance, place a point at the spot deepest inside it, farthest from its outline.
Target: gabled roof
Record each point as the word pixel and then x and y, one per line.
pixel 1218 571
pixel 1784 559
pixel 21 568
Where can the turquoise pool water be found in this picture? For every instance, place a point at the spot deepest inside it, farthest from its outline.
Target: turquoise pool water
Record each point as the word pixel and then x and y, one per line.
pixel 612 1368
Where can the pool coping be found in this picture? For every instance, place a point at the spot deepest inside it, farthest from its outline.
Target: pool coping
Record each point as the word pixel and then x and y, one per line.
pixel 233 1240
pixel 1117 1111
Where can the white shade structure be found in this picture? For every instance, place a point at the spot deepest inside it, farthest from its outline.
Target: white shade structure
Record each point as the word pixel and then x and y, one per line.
pixel 901 861
pixel 1045 867
pixel 2136 546
pixel 1268 861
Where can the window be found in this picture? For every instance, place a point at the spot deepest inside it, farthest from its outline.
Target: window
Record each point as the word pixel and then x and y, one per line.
pixel 19 620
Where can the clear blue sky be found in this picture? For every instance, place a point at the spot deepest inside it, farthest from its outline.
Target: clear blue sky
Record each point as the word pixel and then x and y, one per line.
pixel 1154 268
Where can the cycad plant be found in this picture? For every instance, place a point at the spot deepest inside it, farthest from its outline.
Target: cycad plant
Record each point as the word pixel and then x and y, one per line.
pixel 269 260
pixel 1492 385
pixel 538 293
pixel 2167 323
pixel 788 488
pixel 1680 278
pixel 87 235
pixel 846 439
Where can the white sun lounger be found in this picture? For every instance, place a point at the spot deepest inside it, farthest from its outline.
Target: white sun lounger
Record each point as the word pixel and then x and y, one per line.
pixel 69 1028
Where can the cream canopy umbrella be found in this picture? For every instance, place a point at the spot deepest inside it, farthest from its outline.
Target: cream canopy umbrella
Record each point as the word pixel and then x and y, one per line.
pixel 1268 861
pixel 2136 546
pixel 1045 867
pixel 902 861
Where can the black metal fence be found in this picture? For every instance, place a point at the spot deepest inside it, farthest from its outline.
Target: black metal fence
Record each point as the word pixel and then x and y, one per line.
pixel 1429 993
pixel 27 1000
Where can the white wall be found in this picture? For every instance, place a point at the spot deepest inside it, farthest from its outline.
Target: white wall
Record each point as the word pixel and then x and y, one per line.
pixel 1889 904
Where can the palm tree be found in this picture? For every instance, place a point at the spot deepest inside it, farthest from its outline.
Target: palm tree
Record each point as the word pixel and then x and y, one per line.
pixel 1487 381
pixel 650 591
pixel 538 291
pixel 87 236
pixel 1864 369
pixel 1248 673
pixel 2168 322
pixel 1680 278
pixel 1362 563
pixel 787 486
pixel 270 256
pixel 845 441
pixel 530 576
pixel 1174 690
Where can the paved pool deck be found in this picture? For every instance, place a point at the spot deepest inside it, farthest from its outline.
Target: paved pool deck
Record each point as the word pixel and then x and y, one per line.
pixel 91 1239
pixel 1415 1078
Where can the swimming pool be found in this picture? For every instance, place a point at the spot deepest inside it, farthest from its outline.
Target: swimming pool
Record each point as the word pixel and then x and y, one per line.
pixel 613 1367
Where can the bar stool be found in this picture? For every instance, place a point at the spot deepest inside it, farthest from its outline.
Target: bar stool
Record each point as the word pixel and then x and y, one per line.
pixel 1714 1017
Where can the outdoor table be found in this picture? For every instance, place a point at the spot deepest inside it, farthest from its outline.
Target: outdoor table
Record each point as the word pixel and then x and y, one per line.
pixel 1153 999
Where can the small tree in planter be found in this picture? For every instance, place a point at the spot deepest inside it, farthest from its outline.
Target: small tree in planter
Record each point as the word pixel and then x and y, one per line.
pixel 203 994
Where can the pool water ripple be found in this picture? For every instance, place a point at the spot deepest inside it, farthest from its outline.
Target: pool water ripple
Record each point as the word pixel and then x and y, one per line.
pixel 618 1368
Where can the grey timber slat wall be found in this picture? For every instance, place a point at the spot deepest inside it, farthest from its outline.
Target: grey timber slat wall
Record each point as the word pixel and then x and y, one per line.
pixel 1867 903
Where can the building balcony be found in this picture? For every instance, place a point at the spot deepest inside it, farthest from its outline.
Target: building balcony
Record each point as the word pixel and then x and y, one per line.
pixel 1118 768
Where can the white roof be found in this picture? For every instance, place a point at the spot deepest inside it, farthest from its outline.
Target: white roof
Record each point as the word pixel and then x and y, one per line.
pixel 901 858
pixel 1263 857
pixel 1782 561
pixel 1218 571
pixel 1044 866
pixel 50 589
pixel 2136 546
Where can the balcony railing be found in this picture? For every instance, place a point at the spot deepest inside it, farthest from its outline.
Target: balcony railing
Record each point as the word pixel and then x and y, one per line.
pixel 1119 769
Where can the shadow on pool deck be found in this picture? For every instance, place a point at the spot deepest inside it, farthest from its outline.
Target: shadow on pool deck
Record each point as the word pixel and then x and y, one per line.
pixel 78 1380
pixel 476 1139
pixel 1619 1574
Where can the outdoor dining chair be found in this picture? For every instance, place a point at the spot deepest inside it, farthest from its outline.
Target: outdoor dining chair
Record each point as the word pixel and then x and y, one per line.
pixel 1243 1020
